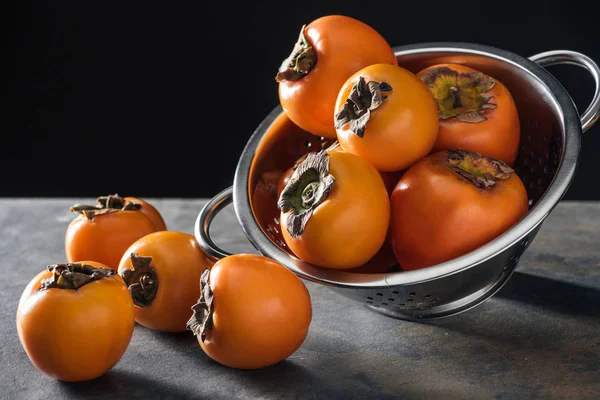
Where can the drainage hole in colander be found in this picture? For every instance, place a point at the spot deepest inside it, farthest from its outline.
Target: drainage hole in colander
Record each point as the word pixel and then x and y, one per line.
pixel 384 304
pixel 390 299
pixel 308 144
pixel 401 305
pixel 427 296
pixel 412 294
pixel 379 294
pixel 369 302
pixel 369 298
pixel 538 124
pixel 395 292
pixel 530 202
pixel 410 300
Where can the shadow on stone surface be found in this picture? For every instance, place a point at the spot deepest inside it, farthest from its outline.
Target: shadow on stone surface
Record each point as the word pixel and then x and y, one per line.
pixel 125 385
pixel 554 295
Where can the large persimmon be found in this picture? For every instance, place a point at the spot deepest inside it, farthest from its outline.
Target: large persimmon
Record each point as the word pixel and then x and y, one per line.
pixel 451 203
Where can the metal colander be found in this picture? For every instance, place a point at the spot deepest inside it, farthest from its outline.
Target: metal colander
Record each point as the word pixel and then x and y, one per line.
pixel 551 130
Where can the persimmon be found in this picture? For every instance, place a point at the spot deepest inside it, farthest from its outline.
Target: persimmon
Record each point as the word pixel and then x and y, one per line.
pixel 252 312
pixel 103 232
pixel 162 271
pixel 334 210
pixel 328 50
pixel 386 115
pixel 75 320
pixel 450 203
pixel 476 111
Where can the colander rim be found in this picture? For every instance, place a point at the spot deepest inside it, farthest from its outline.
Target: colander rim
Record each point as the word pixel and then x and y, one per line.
pixel 570 123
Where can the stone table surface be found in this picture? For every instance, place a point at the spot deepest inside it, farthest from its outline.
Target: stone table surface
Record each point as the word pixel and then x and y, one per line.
pixel 539 337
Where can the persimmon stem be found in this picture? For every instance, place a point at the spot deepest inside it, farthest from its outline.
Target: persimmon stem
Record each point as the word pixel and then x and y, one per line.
pixel 142 282
pixel 300 62
pixel 202 312
pixel 73 275
pixel 477 169
pixel 364 98
pixel 463 96
pixel 106 204
pixel 308 187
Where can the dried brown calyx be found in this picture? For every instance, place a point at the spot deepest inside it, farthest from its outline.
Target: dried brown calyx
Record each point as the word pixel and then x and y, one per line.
pixel 363 98
pixel 202 315
pixel 105 205
pixel 477 169
pixel 142 281
pixel 308 187
pixel 73 275
pixel 463 96
pixel 300 62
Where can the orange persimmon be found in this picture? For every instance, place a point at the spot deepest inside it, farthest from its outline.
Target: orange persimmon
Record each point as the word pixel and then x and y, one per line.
pixel 75 320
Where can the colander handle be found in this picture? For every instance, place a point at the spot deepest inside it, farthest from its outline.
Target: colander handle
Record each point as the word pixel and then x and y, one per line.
pixel 554 57
pixel 204 219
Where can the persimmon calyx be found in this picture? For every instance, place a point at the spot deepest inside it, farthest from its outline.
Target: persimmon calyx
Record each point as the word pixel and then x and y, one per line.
pixel 106 204
pixel 300 62
pixel 477 169
pixel 460 95
pixel 73 275
pixel 308 187
pixel 142 281
pixel 364 97
pixel 201 320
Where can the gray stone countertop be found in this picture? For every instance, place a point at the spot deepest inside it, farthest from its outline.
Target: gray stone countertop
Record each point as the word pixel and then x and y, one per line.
pixel 538 337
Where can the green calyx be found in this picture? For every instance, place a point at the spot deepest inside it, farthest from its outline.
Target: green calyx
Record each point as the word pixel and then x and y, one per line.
pixel 479 170
pixel 460 95
pixel 308 187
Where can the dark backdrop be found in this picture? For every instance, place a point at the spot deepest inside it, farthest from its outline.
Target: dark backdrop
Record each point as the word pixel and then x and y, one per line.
pixel 158 98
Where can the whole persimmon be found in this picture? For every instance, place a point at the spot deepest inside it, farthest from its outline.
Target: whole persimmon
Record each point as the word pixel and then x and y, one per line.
pixel 75 320
pixel 328 50
pixel 252 312
pixel 386 115
pixel 476 112
pixel 162 271
pixel 450 203
pixel 103 232
pixel 334 210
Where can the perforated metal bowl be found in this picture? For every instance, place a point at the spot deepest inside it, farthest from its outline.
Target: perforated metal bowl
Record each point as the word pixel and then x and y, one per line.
pixel 551 130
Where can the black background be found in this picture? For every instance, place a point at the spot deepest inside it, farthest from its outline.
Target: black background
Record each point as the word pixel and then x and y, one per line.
pixel 159 98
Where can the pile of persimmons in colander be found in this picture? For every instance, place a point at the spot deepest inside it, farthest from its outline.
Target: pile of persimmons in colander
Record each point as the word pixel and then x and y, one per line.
pixel 420 166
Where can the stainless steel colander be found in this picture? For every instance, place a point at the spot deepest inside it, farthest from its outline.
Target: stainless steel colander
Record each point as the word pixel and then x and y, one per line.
pixel 551 130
